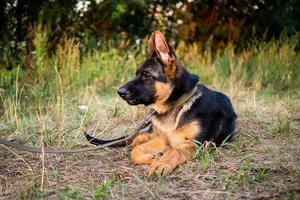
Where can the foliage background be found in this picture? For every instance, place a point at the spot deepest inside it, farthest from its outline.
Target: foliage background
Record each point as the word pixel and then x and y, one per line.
pixel 92 23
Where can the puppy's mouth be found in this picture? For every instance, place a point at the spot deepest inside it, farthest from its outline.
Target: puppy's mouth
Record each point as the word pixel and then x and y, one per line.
pixel 132 102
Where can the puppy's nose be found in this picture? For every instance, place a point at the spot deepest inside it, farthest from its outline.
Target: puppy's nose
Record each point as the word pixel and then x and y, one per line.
pixel 122 92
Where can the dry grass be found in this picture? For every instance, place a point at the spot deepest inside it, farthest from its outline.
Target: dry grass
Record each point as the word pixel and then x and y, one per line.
pixel 261 163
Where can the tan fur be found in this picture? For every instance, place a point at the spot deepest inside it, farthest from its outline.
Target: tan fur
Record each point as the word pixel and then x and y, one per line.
pixel 141 138
pixel 145 152
pixel 170 70
pixel 186 133
pixel 168 162
pixel 182 149
pixel 166 123
pixel 163 92
pixel 176 144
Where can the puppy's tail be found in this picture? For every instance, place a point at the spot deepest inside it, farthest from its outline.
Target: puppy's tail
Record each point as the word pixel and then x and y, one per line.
pixel 96 141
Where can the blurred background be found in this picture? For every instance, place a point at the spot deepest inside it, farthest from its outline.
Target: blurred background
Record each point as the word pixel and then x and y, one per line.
pixel 93 23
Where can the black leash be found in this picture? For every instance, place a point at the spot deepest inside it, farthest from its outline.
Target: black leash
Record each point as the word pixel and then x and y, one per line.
pixel 103 143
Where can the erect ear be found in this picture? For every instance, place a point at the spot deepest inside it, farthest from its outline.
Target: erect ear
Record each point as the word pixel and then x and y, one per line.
pixel 157 44
pixel 151 46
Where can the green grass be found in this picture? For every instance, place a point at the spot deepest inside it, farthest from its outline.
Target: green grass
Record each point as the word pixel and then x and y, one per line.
pixel 282 126
pixel 33 191
pixel 72 192
pixel 206 154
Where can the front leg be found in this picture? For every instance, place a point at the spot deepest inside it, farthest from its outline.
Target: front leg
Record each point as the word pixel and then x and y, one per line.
pixel 146 152
pixel 141 138
pixel 172 158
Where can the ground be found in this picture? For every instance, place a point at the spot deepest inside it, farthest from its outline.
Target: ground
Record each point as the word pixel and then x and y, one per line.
pixel 263 161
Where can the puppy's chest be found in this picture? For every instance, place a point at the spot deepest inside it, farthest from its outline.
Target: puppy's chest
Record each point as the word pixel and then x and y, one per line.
pixel 169 126
pixel 167 123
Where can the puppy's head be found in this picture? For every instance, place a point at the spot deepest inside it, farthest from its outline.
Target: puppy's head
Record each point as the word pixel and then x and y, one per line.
pixel 159 79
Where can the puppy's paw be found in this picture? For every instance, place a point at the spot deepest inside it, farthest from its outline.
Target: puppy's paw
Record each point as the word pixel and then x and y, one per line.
pixel 159 167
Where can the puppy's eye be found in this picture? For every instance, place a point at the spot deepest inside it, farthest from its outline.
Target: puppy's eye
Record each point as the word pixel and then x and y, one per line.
pixel 147 75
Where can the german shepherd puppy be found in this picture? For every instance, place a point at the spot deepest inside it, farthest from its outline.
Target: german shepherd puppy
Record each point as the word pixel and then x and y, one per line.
pixel 185 110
